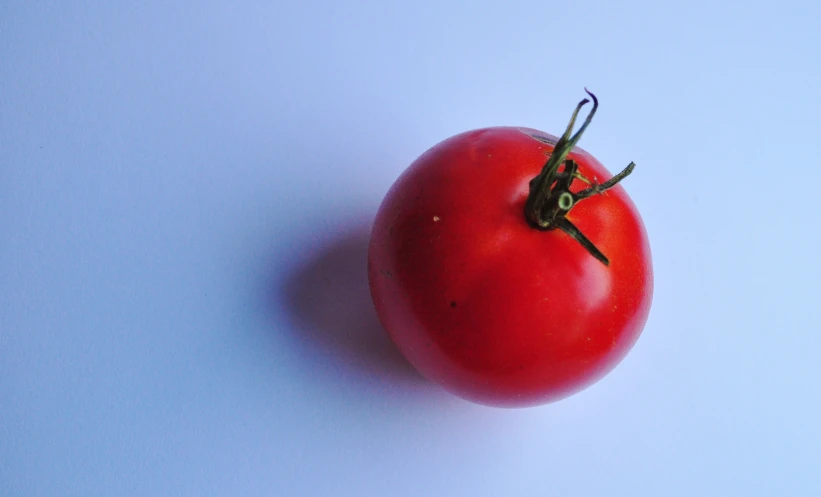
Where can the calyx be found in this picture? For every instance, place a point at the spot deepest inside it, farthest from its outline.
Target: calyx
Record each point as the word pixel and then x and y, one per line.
pixel 550 198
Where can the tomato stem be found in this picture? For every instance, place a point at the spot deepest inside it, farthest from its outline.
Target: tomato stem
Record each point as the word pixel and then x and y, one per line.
pixel 550 198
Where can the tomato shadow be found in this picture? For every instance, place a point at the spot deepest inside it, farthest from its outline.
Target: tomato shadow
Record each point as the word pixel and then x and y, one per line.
pixel 335 326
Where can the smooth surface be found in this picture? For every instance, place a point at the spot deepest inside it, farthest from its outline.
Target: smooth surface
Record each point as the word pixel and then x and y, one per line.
pixel 185 190
pixel 488 307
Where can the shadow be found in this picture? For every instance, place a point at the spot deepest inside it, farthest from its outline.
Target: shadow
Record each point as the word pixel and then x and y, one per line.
pixel 328 300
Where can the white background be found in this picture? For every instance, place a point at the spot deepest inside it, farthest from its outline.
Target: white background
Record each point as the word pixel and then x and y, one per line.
pixel 185 193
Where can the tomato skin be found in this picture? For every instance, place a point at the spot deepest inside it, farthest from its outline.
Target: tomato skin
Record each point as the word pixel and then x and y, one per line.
pixel 485 305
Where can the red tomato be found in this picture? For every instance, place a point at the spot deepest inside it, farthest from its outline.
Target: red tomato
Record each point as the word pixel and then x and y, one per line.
pixel 483 300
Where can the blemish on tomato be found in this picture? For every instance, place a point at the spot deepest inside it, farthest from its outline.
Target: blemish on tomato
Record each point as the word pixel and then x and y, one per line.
pixel 543 139
pixel 453 303
pixel 436 219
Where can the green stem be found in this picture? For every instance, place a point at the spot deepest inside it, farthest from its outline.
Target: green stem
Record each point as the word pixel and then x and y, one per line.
pixel 550 198
pixel 540 186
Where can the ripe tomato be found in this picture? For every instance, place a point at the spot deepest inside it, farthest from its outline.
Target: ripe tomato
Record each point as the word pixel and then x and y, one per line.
pixel 504 271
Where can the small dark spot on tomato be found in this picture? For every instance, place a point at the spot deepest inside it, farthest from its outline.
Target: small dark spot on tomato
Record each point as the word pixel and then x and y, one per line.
pixel 453 303
pixel 386 273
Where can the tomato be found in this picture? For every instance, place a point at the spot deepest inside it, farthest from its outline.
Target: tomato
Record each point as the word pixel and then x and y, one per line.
pixel 507 270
